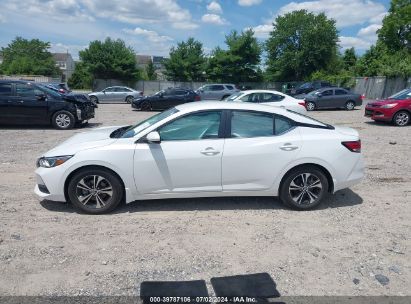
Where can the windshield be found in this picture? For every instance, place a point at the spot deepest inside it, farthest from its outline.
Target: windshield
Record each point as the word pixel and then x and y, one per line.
pixel 404 94
pixel 49 91
pixel 234 96
pixel 305 85
pixel 135 129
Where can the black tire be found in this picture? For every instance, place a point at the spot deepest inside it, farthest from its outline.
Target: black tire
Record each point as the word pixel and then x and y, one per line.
pixel 224 97
pixel 91 201
pixel 289 194
pixel 129 99
pixel 350 105
pixel 310 106
pixel 94 99
pixel 63 120
pixel 401 118
pixel 146 106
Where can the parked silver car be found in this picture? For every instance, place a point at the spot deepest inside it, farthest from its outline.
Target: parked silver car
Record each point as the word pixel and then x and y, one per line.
pixel 115 94
pixel 216 91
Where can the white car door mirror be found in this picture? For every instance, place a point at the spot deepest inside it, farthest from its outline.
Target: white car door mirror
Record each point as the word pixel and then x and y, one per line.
pixel 153 137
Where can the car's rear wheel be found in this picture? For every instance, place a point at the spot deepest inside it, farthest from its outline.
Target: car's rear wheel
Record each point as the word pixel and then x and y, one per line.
pixel 145 106
pixel 401 119
pixel 304 188
pixel 63 120
pixel 94 99
pixel 95 190
pixel 129 99
pixel 310 106
pixel 224 97
pixel 349 105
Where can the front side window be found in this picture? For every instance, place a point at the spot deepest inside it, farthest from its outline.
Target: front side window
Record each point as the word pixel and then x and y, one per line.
pixel 26 90
pixel 340 92
pixel 230 87
pixel 180 92
pixel 327 93
pixel 5 89
pixel 202 125
pixel 216 87
pixel 246 124
pixel 108 90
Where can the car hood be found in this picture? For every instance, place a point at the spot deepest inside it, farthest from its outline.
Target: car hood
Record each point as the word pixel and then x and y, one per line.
pixel 379 103
pixel 86 140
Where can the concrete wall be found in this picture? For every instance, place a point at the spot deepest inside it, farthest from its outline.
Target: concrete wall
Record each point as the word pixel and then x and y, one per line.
pixel 371 87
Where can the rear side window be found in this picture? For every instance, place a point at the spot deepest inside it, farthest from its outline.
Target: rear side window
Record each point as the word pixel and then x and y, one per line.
pixel 180 92
pixel 5 89
pixel 229 87
pixel 269 97
pixel 246 124
pixel 282 124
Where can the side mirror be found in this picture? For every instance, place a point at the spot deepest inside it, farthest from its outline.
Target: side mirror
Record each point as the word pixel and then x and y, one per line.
pixel 41 97
pixel 153 137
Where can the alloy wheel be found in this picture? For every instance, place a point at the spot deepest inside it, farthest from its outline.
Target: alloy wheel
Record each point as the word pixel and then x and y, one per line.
pixel 402 119
pixel 310 106
pixel 63 120
pixel 305 189
pixel 350 105
pixel 94 191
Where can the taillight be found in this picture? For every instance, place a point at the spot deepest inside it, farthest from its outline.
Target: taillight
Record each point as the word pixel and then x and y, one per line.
pixel 362 96
pixel 353 146
pixel 141 93
pixel 197 98
pixel 302 103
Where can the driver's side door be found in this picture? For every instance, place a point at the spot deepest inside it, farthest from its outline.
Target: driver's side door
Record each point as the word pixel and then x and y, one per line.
pixel 188 158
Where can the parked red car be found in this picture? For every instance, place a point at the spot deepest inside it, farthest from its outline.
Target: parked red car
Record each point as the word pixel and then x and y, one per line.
pixel 395 109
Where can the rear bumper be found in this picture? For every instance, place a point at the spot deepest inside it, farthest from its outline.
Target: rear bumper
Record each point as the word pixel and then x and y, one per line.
pixel 354 177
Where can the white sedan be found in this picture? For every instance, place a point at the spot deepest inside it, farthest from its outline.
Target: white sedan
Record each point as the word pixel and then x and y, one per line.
pixel 270 98
pixel 203 149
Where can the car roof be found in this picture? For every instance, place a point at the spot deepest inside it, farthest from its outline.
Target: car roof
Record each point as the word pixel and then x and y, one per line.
pixel 226 105
pixel 263 91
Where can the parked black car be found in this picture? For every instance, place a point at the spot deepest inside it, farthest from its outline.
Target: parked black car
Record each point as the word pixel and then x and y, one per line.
pixel 165 99
pixel 23 102
pixel 332 98
pixel 308 87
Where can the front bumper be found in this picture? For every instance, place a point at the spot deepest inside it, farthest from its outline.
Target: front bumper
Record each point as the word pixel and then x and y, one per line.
pixel 379 113
pixel 48 184
pixel 85 113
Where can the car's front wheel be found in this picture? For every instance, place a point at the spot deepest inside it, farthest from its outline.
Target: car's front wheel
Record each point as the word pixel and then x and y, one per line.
pixel 146 106
pixel 304 188
pixel 63 120
pixel 402 118
pixel 95 190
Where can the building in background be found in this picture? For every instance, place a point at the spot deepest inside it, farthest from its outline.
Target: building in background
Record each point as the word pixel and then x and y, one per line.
pixel 158 63
pixel 65 63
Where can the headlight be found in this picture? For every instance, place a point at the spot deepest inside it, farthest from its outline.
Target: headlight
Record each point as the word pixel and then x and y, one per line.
pixel 49 162
pixel 389 105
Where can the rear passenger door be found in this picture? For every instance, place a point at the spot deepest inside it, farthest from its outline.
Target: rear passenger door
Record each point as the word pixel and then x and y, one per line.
pixel 340 97
pixel 258 147
pixel 5 101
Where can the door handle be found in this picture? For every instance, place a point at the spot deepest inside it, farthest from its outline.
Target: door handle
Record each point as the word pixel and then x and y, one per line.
pixel 288 147
pixel 210 151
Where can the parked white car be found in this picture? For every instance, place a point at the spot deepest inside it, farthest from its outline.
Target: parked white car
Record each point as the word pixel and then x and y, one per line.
pixel 270 98
pixel 203 149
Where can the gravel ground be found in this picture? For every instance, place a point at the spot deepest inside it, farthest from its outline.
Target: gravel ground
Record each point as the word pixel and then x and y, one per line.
pixel 356 241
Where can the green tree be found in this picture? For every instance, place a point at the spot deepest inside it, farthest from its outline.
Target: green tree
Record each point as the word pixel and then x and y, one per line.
pixel 240 63
pixel 81 77
pixel 110 59
pixel 150 71
pixel 349 59
pixel 186 62
pixel 300 44
pixel 395 32
pixel 23 56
